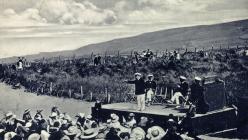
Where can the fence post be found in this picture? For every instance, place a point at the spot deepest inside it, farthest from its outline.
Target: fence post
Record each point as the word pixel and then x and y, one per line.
pixel 51 87
pixel 91 96
pixel 131 53
pixel 237 46
pixel 69 92
pixel 81 92
pixel 171 93
pixel 91 56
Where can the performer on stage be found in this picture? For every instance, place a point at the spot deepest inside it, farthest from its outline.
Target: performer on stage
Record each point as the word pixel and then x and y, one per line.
pixel 150 88
pixel 197 96
pixel 139 90
pixel 181 92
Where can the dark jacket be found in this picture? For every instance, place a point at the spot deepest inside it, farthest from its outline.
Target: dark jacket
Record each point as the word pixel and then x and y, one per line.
pixel 151 85
pixel 139 86
pixel 197 97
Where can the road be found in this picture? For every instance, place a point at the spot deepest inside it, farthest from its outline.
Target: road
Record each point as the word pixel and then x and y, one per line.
pixel 16 100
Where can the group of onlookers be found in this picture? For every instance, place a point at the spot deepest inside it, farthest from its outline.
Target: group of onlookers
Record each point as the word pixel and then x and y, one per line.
pixel 61 126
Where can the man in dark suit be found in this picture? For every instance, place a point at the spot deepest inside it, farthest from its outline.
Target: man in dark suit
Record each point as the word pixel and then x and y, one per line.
pixel 139 90
pixel 197 96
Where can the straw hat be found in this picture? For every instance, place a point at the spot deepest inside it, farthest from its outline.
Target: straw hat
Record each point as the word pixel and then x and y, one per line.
pixel 150 75
pixel 44 135
pixel 53 115
pixel 198 78
pixel 182 77
pixel 137 74
pixel 114 118
pixel 131 115
pixel 155 132
pixel 89 134
pixel 9 114
pixel 39 110
pixel 138 133
pixel 27 111
pixel 80 115
pixel 89 117
pixel 68 117
pixel 72 130
pixel 9 135
pixel 34 136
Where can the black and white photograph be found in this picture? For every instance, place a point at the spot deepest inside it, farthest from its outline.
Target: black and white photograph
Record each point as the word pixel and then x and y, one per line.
pixel 123 69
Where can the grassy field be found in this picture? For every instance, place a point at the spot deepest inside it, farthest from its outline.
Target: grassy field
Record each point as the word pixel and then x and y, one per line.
pixel 18 100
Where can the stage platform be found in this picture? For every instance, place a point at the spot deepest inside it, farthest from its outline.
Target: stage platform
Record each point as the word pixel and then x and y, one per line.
pixel 204 123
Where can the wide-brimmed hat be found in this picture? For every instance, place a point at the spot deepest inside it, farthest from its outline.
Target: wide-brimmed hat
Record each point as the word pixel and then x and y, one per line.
pixel 182 77
pixel 80 115
pixel 53 115
pixel 44 135
pixel 34 136
pixel 138 133
pixel 67 117
pixel 114 118
pixel 137 74
pixel 72 130
pixel 89 117
pixel 9 114
pixel 131 115
pixel 198 78
pixel 150 75
pixel 10 134
pixel 89 133
pixel 27 111
pixel 39 110
pixel 156 132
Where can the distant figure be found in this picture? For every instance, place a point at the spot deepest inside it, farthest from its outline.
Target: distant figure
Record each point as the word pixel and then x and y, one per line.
pixel 139 90
pixel 150 88
pixel 20 64
pixel 197 96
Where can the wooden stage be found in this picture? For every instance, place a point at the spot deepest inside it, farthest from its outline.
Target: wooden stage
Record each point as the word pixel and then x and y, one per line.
pixel 213 121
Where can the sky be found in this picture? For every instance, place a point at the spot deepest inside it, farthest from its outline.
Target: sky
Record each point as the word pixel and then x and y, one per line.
pixel 33 26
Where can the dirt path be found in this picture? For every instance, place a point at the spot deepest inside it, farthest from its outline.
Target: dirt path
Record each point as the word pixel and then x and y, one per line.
pixel 18 100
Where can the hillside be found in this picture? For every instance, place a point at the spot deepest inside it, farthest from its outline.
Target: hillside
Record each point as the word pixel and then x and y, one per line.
pixel 190 37
pixel 187 37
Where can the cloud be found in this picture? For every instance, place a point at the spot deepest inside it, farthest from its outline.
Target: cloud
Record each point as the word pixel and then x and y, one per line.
pixel 188 12
pixel 29 17
pixel 60 12
pixel 71 12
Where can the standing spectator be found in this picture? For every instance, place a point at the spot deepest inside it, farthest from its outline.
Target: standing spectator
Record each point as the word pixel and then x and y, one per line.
pixel 139 91
pixel 150 88
pixel 197 96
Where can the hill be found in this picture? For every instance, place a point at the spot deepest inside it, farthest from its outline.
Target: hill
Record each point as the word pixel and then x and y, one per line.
pixel 186 37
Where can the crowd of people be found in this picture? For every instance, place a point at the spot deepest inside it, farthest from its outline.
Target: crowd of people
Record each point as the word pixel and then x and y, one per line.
pixel 62 126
